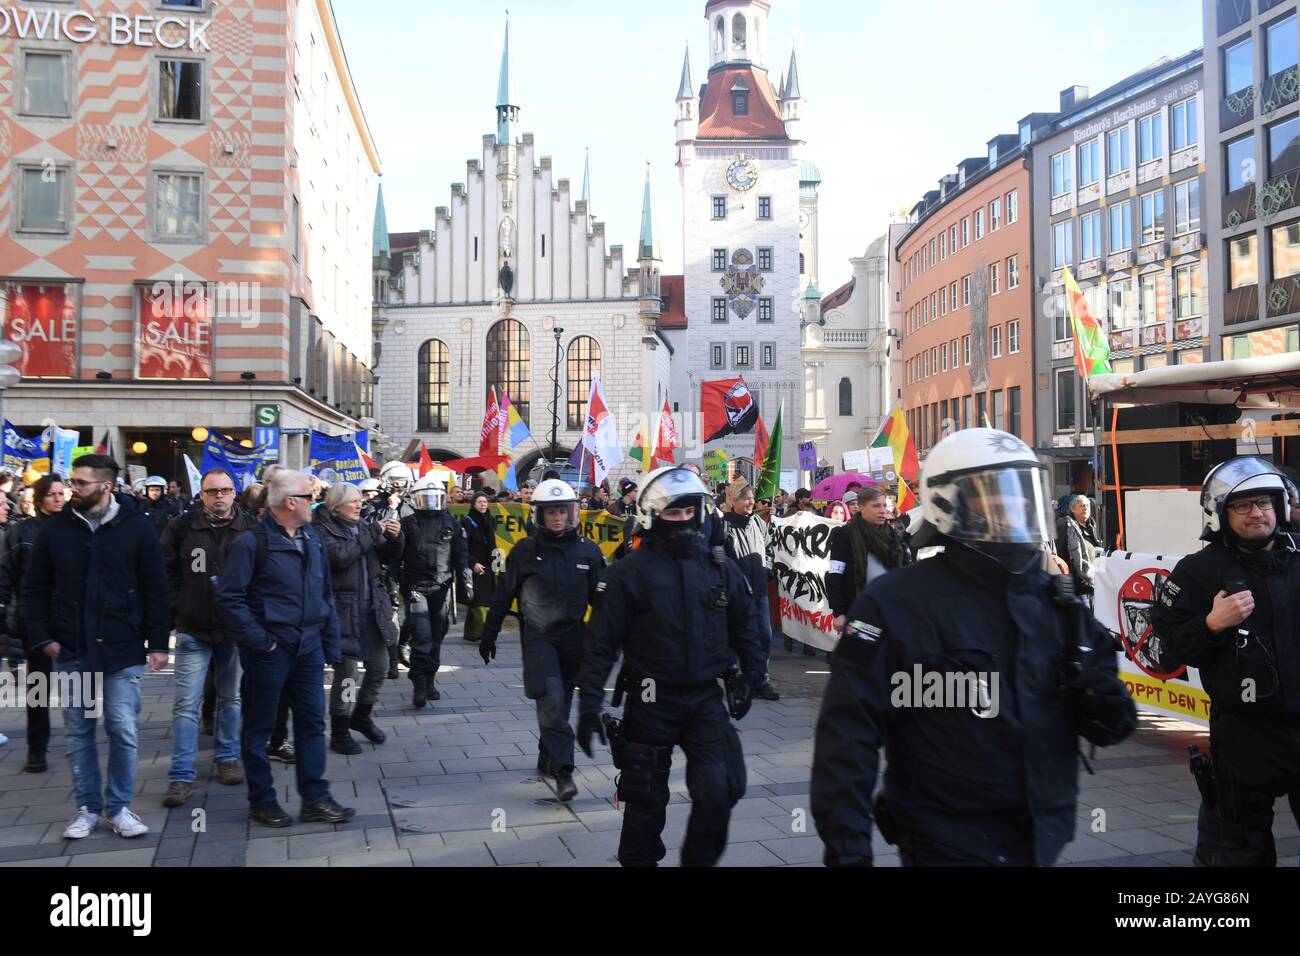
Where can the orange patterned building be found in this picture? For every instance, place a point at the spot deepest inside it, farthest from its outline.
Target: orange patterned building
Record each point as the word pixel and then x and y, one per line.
pixel 187 191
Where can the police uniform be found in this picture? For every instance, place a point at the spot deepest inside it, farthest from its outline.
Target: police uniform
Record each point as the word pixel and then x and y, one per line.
pixel 991 782
pixel 675 615
pixel 434 552
pixel 1253 681
pixel 554 578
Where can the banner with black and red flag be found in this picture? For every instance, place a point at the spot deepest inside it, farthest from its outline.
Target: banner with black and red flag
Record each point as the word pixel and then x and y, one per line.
pixel 728 408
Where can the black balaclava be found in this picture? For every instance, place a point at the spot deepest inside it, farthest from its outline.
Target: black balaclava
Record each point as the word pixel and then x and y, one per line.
pixel 1014 559
pixel 680 538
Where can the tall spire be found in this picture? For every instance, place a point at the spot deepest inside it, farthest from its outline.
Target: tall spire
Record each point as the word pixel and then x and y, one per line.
pixel 507 107
pixel 792 80
pixel 685 90
pixel 586 180
pixel 649 248
pixel 381 250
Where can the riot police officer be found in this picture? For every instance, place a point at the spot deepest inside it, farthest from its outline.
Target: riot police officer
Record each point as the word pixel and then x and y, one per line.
pixel 392 501
pixel 977 672
pixel 1233 610
pixel 433 555
pixel 157 508
pixel 553 573
pixel 676 615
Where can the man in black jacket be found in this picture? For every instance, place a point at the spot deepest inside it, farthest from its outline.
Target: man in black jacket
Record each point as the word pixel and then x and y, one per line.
pixel 676 616
pixel 156 507
pixel 195 545
pixel 862 549
pixel 977 674
pixel 434 554
pixel 553 574
pixel 1233 611
pixel 95 600
pixel 749 546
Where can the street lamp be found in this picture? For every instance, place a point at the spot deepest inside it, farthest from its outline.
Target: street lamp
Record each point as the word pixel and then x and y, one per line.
pixel 10 352
pixel 555 397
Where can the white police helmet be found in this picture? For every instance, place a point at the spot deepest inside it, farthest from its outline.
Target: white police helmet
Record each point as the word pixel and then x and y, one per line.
pixel 555 493
pixel 429 494
pixel 1247 474
pixel 156 481
pixel 985 485
pixel 396 474
pixel 369 486
pixel 671 487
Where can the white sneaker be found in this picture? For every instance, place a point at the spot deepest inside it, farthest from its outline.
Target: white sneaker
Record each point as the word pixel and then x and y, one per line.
pixel 3 740
pixel 82 825
pixel 127 824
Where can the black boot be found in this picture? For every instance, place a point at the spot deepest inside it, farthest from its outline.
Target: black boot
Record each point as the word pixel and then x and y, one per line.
pixel 35 762
pixel 341 741
pixel 419 690
pixel 433 691
pixel 362 724
pixel 392 663
pixel 565 788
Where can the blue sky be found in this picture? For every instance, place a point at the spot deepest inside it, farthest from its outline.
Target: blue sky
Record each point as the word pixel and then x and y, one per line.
pixel 897 93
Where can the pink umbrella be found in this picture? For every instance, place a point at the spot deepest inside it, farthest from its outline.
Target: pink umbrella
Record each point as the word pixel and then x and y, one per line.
pixel 833 488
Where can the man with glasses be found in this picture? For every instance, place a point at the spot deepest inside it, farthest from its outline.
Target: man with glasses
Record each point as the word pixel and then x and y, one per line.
pixel 276 596
pixel 195 545
pixel 1233 611
pixel 95 601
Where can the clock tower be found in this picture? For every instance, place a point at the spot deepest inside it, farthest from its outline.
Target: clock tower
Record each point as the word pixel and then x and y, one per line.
pixel 738 157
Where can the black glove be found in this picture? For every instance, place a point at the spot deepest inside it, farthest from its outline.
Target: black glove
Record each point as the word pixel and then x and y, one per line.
pixel 1104 711
pixel 487 648
pixel 740 692
pixel 589 724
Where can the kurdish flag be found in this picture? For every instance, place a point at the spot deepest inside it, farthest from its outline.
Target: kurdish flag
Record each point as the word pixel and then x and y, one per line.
pixel 1091 350
pixel 770 480
pixel 895 436
pixel 641 451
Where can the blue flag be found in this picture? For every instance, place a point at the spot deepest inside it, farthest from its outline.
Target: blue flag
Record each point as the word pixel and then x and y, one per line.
pixel 226 453
pixel 21 451
pixel 339 454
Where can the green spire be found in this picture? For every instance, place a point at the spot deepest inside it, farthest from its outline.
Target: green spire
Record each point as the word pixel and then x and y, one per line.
pixel 381 249
pixel 684 89
pixel 649 248
pixel 586 180
pixel 507 108
pixel 792 80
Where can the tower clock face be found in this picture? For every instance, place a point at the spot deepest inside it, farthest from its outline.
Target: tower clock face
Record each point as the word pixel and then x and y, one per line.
pixel 742 174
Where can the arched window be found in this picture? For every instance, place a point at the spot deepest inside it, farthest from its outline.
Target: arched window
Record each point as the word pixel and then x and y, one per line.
pixel 433 388
pixel 801 263
pixel 738 32
pixel 719 36
pixel 584 362
pixel 846 397
pixel 510 364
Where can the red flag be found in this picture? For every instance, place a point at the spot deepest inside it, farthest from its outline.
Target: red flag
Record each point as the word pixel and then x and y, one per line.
pixel 760 442
pixel 666 440
pixel 425 463
pixel 489 442
pixel 503 416
pixel 728 408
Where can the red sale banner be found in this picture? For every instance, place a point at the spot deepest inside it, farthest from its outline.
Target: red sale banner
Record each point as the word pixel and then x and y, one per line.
pixel 42 320
pixel 174 338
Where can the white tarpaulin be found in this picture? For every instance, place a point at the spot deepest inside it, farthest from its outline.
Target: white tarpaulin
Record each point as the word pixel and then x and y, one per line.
pixel 1125 591
pixel 801 556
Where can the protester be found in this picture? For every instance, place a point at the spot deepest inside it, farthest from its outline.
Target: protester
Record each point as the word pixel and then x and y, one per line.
pixel 357 550
pixel 850 500
pixel 838 511
pixel 626 503
pixel 276 595
pixel 802 501
pixel 480 528
pixel 1077 546
pixel 861 551
pixel 11 643
pixel 195 547
pixel 26 503
pixel 177 499
pixel 749 546
pixel 94 597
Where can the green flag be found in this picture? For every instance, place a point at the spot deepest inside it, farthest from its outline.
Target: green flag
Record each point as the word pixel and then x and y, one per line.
pixel 770 480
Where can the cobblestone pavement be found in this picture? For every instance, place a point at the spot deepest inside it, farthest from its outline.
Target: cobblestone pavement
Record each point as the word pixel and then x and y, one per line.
pixel 456 785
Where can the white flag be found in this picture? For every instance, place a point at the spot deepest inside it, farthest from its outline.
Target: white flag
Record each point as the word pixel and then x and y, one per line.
pixel 600 437
pixel 196 477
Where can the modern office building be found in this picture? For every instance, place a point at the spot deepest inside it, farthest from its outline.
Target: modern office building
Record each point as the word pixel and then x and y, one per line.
pixel 1117 190
pixel 1252 208
pixel 186 189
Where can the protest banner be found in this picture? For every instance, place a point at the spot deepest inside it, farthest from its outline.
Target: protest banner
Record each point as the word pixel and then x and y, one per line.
pixel 801 558
pixel 338 454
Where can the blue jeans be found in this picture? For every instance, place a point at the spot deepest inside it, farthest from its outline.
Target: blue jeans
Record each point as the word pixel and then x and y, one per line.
pixel 764 612
pixel 301 679
pixel 193 657
pixel 121 712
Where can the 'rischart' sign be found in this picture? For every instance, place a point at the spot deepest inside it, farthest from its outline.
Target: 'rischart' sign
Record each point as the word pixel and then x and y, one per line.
pixel 116 29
